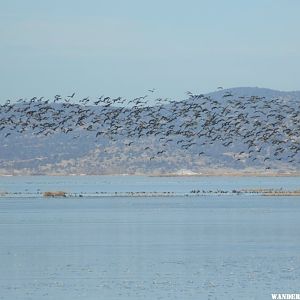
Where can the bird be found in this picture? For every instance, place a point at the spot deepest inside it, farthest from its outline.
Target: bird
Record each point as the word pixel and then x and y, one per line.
pixel 71 95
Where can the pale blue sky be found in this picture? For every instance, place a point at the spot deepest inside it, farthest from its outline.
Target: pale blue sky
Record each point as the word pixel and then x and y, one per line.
pixel 96 47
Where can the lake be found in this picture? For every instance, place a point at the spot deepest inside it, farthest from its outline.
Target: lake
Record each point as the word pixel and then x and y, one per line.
pixel 100 242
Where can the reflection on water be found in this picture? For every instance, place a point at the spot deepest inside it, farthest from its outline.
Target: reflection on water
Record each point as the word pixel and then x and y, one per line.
pixel 148 248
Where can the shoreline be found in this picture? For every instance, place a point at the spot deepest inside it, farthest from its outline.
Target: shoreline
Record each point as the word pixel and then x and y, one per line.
pixel 150 194
pixel 208 174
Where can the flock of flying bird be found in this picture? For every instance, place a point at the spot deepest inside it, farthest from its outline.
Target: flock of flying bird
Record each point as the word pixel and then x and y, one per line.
pixel 246 127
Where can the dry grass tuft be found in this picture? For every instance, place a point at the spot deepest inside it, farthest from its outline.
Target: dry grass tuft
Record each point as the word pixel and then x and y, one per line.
pixel 55 194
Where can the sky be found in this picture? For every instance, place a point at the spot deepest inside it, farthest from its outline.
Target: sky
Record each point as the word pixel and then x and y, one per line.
pixel 123 48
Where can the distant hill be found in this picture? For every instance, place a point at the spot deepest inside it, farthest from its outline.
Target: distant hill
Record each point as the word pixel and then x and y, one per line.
pixel 229 132
pixel 256 91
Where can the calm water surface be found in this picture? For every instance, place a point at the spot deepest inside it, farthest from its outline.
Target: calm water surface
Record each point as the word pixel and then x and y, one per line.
pixel 201 247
